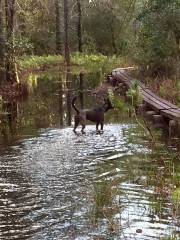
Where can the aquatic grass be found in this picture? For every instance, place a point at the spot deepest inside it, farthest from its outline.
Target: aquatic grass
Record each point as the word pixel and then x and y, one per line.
pixel 89 63
pixel 37 62
pixel 98 62
pixel 166 182
pixel 173 237
pixel 176 196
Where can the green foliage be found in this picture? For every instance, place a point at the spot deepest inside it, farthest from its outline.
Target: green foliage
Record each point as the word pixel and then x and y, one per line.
pixel 88 59
pixel 158 37
pixel 90 62
pixel 22 45
pixel 176 196
pixel 93 62
pixel 37 62
pixel 134 94
pixel 171 238
pixel 146 31
pixel 178 85
pixel 117 102
pixel 162 91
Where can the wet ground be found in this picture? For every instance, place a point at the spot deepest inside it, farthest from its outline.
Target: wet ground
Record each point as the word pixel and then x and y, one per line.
pixel 58 185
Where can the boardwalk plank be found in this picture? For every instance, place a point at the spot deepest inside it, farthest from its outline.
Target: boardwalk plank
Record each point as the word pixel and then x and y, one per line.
pixel 170 114
pixel 160 99
pixel 154 100
pixel 157 103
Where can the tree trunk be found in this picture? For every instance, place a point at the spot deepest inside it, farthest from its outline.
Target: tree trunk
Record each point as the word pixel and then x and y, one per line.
pixel 66 33
pixel 11 68
pixel 58 28
pixel 2 46
pixel 79 25
pixel 113 37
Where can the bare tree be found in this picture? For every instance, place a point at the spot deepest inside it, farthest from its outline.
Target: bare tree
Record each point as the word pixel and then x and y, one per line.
pixel 58 27
pixel 66 33
pixel 2 46
pixel 79 25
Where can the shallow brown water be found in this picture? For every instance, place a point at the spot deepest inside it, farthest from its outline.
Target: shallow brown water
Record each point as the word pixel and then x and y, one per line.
pixel 58 185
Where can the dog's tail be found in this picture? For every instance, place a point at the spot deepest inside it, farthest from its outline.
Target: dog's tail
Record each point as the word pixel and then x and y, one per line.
pixel 73 104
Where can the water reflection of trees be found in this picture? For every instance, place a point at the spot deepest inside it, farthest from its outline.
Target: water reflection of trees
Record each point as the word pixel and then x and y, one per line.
pixel 61 100
pixel 40 110
pixel 8 125
pixel 68 96
pixel 74 87
pixel 49 103
pixel 81 89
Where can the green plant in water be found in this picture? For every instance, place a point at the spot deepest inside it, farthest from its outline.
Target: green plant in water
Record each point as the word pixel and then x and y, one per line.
pixel 176 197
pixel 134 94
pixel 89 62
pixel 170 238
pixel 37 62
pixel 118 103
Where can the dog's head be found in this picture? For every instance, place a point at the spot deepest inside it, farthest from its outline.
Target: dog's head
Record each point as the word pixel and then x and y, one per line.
pixel 107 104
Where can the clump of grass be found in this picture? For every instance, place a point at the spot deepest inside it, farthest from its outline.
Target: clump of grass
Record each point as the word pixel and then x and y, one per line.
pixel 97 62
pixel 134 94
pixel 118 103
pixel 170 238
pixel 176 198
pixel 90 63
pixel 37 62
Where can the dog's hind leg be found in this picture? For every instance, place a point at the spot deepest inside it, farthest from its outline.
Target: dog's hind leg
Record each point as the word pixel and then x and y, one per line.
pixel 76 122
pixel 102 125
pixel 83 122
pixel 83 127
pixel 97 125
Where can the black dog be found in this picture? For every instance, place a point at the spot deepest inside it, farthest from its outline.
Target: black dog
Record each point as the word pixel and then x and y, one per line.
pixel 95 115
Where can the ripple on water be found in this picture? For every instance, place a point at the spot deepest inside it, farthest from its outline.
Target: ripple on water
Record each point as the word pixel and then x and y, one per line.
pixel 65 186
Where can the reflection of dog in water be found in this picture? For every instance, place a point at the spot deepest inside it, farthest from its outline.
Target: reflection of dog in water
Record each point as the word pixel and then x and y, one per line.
pixel 95 115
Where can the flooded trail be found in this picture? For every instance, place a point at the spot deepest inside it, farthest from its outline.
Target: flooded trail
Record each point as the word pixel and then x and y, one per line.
pixel 58 185
pixel 63 186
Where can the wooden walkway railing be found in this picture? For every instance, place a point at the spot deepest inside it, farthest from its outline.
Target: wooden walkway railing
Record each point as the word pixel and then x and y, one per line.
pixel 161 106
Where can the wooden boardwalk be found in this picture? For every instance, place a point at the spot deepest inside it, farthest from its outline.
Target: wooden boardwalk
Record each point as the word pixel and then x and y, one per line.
pixel 158 104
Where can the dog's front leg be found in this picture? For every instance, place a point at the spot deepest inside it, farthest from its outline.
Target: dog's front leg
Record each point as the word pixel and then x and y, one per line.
pixel 102 125
pixel 97 125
